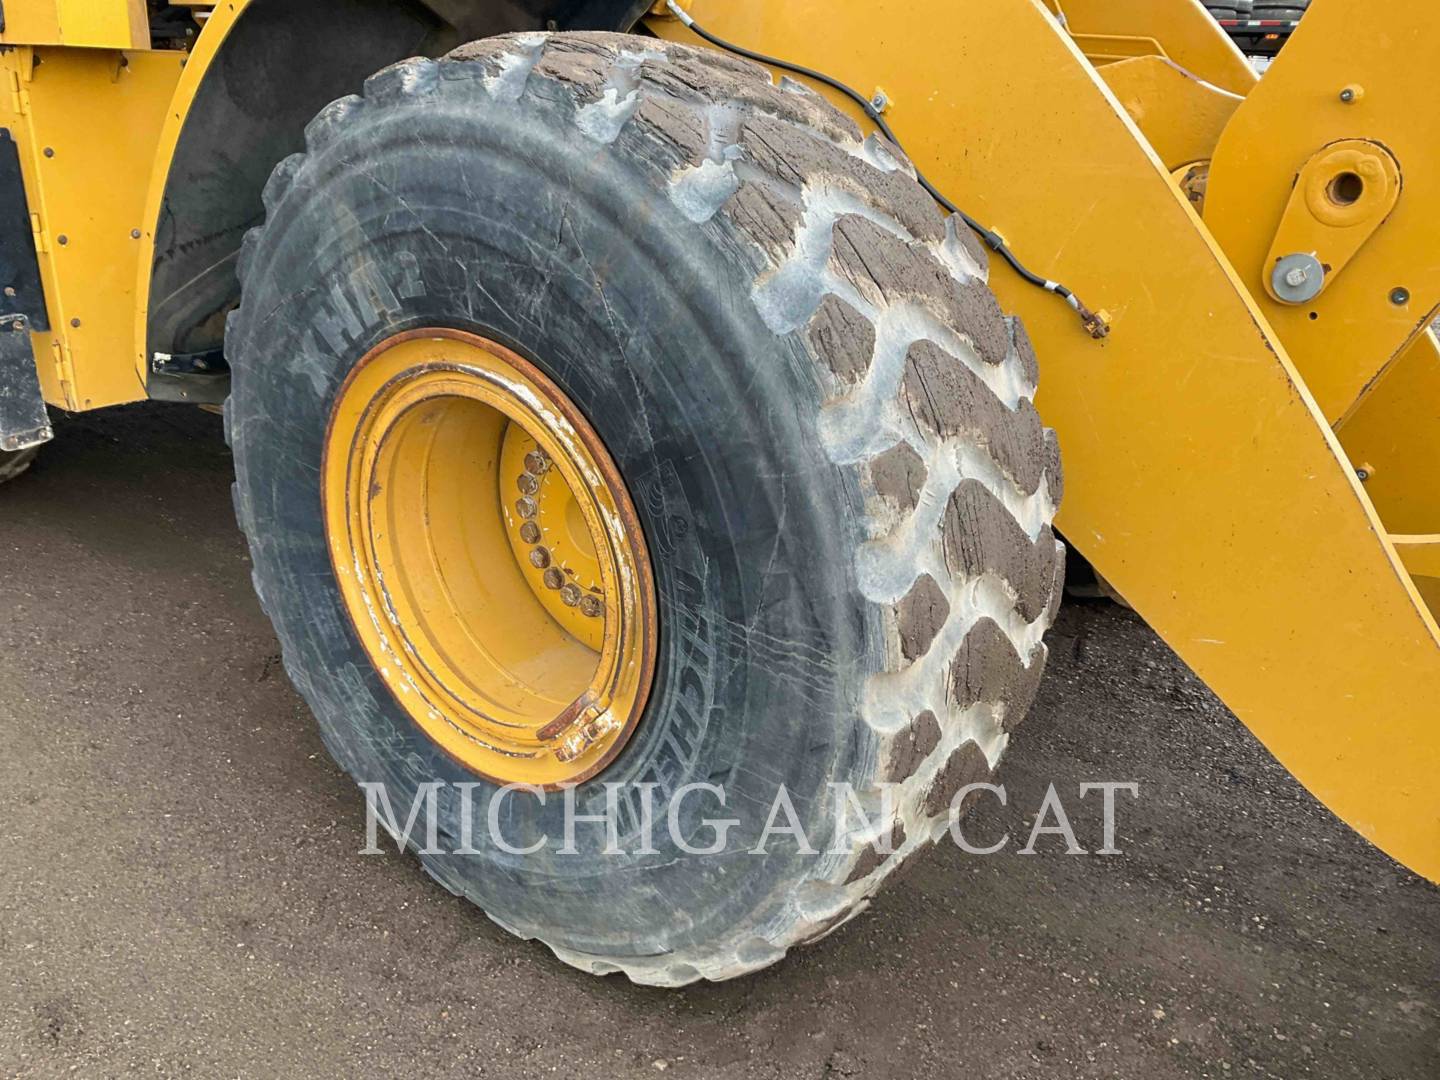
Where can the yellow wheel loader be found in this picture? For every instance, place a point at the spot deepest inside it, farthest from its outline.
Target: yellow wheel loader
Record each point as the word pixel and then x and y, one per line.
pixel 653 414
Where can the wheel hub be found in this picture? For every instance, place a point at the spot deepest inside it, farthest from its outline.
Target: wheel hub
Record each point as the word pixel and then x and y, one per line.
pixel 489 557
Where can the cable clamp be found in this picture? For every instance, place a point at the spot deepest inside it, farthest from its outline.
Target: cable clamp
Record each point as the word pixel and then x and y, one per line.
pixel 680 13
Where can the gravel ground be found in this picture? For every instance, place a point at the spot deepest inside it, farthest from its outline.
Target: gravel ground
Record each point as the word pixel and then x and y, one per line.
pixel 181 894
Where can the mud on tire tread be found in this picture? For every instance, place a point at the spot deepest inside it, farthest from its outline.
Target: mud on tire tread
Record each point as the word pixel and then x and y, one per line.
pixel 925 399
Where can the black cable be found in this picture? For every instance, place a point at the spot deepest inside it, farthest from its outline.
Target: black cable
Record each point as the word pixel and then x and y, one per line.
pixel 1096 325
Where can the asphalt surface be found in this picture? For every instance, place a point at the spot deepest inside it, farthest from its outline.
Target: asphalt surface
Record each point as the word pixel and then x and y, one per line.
pixel 181 891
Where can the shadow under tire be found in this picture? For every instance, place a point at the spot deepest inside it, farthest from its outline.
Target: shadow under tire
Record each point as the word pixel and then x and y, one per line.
pixel 822 416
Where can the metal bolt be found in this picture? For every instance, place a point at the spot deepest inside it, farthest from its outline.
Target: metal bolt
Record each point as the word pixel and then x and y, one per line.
pixel 134 234
pixel 63 239
pixel 570 595
pixel 554 578
pixel 75 323
pixel 1362 474
pixel 1399 295
pixel 591 606
pixel 879 102
pixel 49 151
pixel 527 483
pixel 536 462
pixel 526 507
pixel 539 558
pixel 9 290
pixel 1297 278
pixel 530 532
pixel 1347 95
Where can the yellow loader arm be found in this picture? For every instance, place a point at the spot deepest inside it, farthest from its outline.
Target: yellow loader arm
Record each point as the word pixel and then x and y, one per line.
pixel 1251 454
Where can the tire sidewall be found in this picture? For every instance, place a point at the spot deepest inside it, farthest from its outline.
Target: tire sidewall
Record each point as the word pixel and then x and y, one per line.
pixel 496 219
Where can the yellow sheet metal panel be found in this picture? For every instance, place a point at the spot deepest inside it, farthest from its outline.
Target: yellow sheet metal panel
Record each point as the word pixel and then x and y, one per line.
pixel 1111 48
pixel 15 65
pixel 96 24
pixel 1184 29
pixel 1395 437
pixel 87 121
pixel 1181 115
pixel 1421 555
pixel 1386 55
pixel 1200 478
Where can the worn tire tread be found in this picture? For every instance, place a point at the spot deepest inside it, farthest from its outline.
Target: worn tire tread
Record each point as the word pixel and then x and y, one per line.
pixel 928 395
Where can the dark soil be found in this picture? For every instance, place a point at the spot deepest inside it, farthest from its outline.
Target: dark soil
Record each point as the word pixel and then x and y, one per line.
pixel 181 890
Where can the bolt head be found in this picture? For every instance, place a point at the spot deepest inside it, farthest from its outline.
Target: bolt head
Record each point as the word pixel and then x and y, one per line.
pixel 1399 295
pixel 1297 278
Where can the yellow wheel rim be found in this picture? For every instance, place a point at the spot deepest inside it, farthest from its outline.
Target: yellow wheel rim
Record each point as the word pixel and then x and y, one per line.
pixel 489 557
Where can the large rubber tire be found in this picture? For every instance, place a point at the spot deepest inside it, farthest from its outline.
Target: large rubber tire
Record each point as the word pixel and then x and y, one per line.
pixel 15 462
pixel 1233 9
pixel 1288 9
pixel 811 392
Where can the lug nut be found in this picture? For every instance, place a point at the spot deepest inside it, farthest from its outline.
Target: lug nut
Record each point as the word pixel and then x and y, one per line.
pixel 528 484
pixel 554 578
pixel 536 462
pixel 539 558
pixel 591 606
pixel 526 507
pixel 570 595
pixel 530 532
